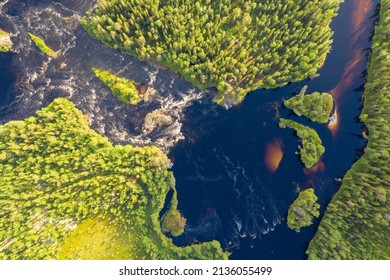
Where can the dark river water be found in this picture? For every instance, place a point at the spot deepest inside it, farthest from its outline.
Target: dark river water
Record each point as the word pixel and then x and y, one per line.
pixel 7 78
pixel 236 171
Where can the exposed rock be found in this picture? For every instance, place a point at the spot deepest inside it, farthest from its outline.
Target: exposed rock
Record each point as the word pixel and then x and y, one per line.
pixel 149 93
pixel 156 119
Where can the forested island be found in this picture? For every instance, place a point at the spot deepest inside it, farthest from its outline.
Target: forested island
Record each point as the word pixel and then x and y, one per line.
pixel 68 193
pixel 311 149
pixel 315 106
pixel 124 89
pixel 303 210
pixel 356 222
pixel 233 46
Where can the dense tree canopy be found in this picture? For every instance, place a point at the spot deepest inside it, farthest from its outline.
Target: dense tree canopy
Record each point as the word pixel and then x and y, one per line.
pixel 303 210
pixel 67 192
pixel 356 222
pixel 233 45
pixel 312 149
pixel 317 107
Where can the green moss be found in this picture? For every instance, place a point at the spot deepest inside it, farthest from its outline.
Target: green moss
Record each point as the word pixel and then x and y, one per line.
pixel 67 192
pixel 356 222
pixel 5 41
pixel 317 107
pixel 40 43
pixel 312 149
pixel 122 88
pixel 302 211
pixel 236 46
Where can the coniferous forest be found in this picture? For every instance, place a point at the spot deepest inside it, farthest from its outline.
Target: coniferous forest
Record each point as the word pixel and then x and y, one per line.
pixel 356 222
pixel 315 106
pixel 235 46
pixel 68 193
pixel 303 210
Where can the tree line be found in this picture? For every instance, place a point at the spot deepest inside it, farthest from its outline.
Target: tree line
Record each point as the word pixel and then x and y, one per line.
pixel 57 175
pixel 356 222
pixel 234 46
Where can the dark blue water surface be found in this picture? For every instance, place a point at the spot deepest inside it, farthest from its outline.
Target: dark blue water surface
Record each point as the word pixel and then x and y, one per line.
pixel 225 189
pixel 7 78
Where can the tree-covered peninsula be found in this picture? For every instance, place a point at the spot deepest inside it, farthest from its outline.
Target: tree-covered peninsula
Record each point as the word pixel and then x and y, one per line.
pixel 68 193
pixel 124 89
pixel 311 149
pixel 5 41
pixel 41 45
pixel 303 210
pixel 234 46
pixel 316 106
pixel 356 222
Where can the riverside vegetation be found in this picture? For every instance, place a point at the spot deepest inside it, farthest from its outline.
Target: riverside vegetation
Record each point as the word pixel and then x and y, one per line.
pixel 302 211
pixel 234 46
pixel 124 89
pixel 312 149
pixel 356 222
pixel 68 193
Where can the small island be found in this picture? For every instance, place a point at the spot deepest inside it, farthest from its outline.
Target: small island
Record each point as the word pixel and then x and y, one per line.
pixel 5 41
pixel 316 106
pixel 312 149
pixel 172 221
pixel 40 43
pixel 124 89
pixel 302 211
pixel 69 193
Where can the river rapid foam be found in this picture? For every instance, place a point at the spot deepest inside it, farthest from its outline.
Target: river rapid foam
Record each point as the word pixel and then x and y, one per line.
pixel 40 79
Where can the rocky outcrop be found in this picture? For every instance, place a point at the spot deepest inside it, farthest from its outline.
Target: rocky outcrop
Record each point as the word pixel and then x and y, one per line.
pixel 156 119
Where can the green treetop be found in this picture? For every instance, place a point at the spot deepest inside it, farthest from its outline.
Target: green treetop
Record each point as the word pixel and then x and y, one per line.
pixel 302 211
pixel 312 149
pixel 356 222
pixel 68 193
pixel 235 46
pixel 316 106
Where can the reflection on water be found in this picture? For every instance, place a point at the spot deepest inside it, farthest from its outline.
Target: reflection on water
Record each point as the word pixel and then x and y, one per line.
pixel 353 70
pixel 318 167
pixel 333 124
pixel 273 154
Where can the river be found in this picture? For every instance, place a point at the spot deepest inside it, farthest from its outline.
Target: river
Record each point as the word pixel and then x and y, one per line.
pixel 236 171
